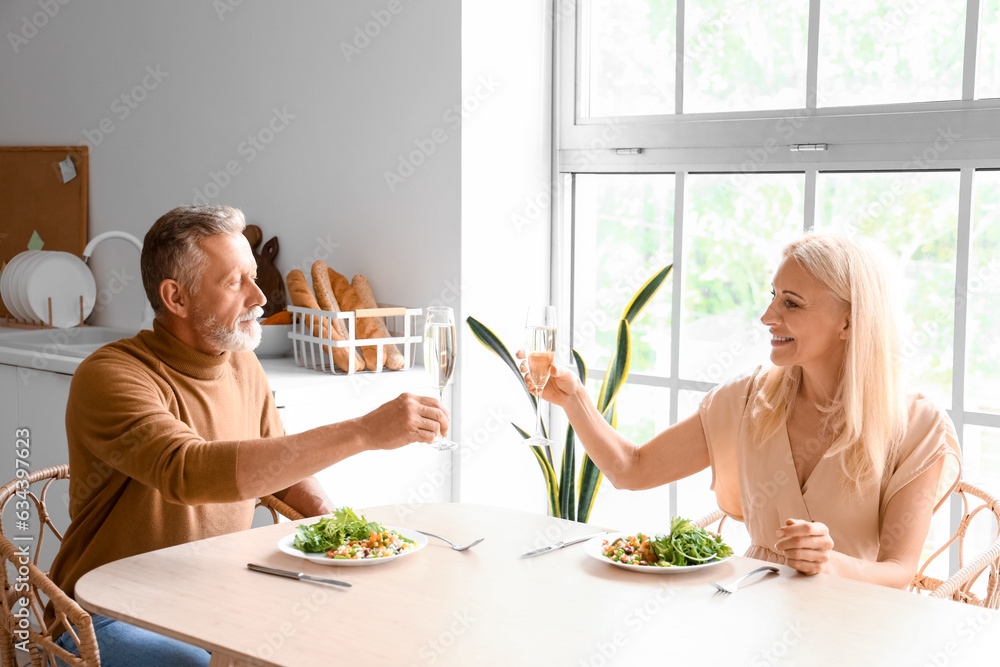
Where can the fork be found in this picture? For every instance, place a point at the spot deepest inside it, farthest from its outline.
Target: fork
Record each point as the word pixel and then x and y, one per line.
pixel 456 547
pixel 731 588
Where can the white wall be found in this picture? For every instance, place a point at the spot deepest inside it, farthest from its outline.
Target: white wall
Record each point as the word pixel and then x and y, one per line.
pixel 319 182
pixel 506 144
pixel 471 78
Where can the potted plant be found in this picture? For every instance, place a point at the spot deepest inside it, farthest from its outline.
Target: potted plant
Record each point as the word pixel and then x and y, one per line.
pixel 567 497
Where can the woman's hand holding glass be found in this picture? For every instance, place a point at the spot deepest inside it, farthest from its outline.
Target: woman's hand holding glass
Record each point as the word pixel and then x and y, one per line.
pixel 561 386
pixel 540 346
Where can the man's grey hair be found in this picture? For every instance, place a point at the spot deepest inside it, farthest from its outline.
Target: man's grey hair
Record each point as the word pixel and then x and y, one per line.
pixel 170 250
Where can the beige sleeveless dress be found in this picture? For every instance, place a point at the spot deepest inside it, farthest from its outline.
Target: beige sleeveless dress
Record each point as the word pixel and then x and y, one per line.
pixel 759 485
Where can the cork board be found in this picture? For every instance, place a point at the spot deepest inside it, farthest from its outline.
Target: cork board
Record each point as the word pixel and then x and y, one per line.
pixel 34 200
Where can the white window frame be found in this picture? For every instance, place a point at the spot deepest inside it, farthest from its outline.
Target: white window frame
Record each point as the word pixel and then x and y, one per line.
pixel 962 135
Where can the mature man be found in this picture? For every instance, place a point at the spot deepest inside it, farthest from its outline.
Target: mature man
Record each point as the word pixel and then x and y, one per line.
pixel 170 431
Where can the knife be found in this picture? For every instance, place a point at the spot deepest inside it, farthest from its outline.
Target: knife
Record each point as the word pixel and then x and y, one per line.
pixel 560 545
pixel 296 575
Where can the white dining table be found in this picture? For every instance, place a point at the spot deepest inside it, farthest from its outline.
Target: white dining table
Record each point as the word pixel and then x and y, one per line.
pixel 488 606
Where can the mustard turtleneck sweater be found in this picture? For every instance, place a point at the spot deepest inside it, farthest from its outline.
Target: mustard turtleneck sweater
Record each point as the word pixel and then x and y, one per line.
pixel 154 427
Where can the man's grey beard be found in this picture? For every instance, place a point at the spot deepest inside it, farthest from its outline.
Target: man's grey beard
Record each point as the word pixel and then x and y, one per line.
pixel 231 340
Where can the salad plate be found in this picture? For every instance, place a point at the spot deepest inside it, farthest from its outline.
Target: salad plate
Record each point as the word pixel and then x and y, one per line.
pixel 595 549
pixel 286 545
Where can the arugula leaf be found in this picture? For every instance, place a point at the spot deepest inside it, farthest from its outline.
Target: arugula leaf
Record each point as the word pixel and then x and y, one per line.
pixel 688 545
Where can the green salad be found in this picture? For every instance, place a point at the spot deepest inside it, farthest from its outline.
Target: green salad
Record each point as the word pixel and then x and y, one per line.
pixel 686 544
pixel 332 532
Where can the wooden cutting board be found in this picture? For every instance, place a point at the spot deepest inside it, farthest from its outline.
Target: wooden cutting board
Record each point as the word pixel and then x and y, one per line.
pixel 269 279
pixel 36 203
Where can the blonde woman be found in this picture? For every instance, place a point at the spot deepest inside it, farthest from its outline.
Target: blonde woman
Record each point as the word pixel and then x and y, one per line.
pixel 829 465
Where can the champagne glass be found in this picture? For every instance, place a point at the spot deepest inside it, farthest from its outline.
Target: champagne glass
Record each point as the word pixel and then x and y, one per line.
pixel 439 357
pixel 540 350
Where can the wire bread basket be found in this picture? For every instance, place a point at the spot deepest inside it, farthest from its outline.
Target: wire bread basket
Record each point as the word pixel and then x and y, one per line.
pixel 316 352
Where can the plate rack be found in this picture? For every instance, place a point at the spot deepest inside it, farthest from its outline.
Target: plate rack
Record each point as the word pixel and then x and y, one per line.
pixel 12 322
pixel 316 352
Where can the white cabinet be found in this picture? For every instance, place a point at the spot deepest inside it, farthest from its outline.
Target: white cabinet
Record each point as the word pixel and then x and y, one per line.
pixel 36 401
pixel 307 398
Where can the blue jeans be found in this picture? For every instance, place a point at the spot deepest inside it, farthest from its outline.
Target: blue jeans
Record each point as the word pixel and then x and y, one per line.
pixel 124 645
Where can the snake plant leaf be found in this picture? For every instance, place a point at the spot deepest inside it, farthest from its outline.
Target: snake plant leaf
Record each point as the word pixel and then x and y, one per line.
pixel 551 484
pixel 645 293
pixel 567 476
pixel 617 368
pixel 493 343
pixel 590 482
pixel 590 474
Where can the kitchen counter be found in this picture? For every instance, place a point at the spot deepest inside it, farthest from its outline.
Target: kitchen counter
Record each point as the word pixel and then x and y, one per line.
pixel 54 350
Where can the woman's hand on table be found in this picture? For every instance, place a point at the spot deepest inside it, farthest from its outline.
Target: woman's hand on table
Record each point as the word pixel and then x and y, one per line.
pixel 562 384
pixel 806 545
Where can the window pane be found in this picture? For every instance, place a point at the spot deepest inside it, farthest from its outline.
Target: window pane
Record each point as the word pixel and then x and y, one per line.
pixel 885 51
pixel 915 216
pixel 745 56
pixel 642 413
pixel 981 456
pixel 982 377
pixel 624 230
pixel 988 81
pixel 735 227
pixel 632 57
pixel 695 497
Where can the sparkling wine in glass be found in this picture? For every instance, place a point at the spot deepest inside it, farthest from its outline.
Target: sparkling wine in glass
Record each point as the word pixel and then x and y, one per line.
pixel 439 357
pixel 540 351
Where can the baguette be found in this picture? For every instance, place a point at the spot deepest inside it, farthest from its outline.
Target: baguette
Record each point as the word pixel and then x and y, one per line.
pixel 325 296
pixel 365 327
pixel 394 360
pixel 303 297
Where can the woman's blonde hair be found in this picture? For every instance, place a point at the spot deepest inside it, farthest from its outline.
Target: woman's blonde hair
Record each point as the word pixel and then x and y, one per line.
pixel 868 413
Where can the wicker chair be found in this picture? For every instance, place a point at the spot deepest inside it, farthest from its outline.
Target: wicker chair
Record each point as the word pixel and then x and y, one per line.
pixel 710 518
pixel 276 507
pixel 958 586
pixel 26 587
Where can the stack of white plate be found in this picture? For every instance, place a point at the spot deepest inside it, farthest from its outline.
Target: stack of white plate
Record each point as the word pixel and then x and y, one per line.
pixel 34 277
